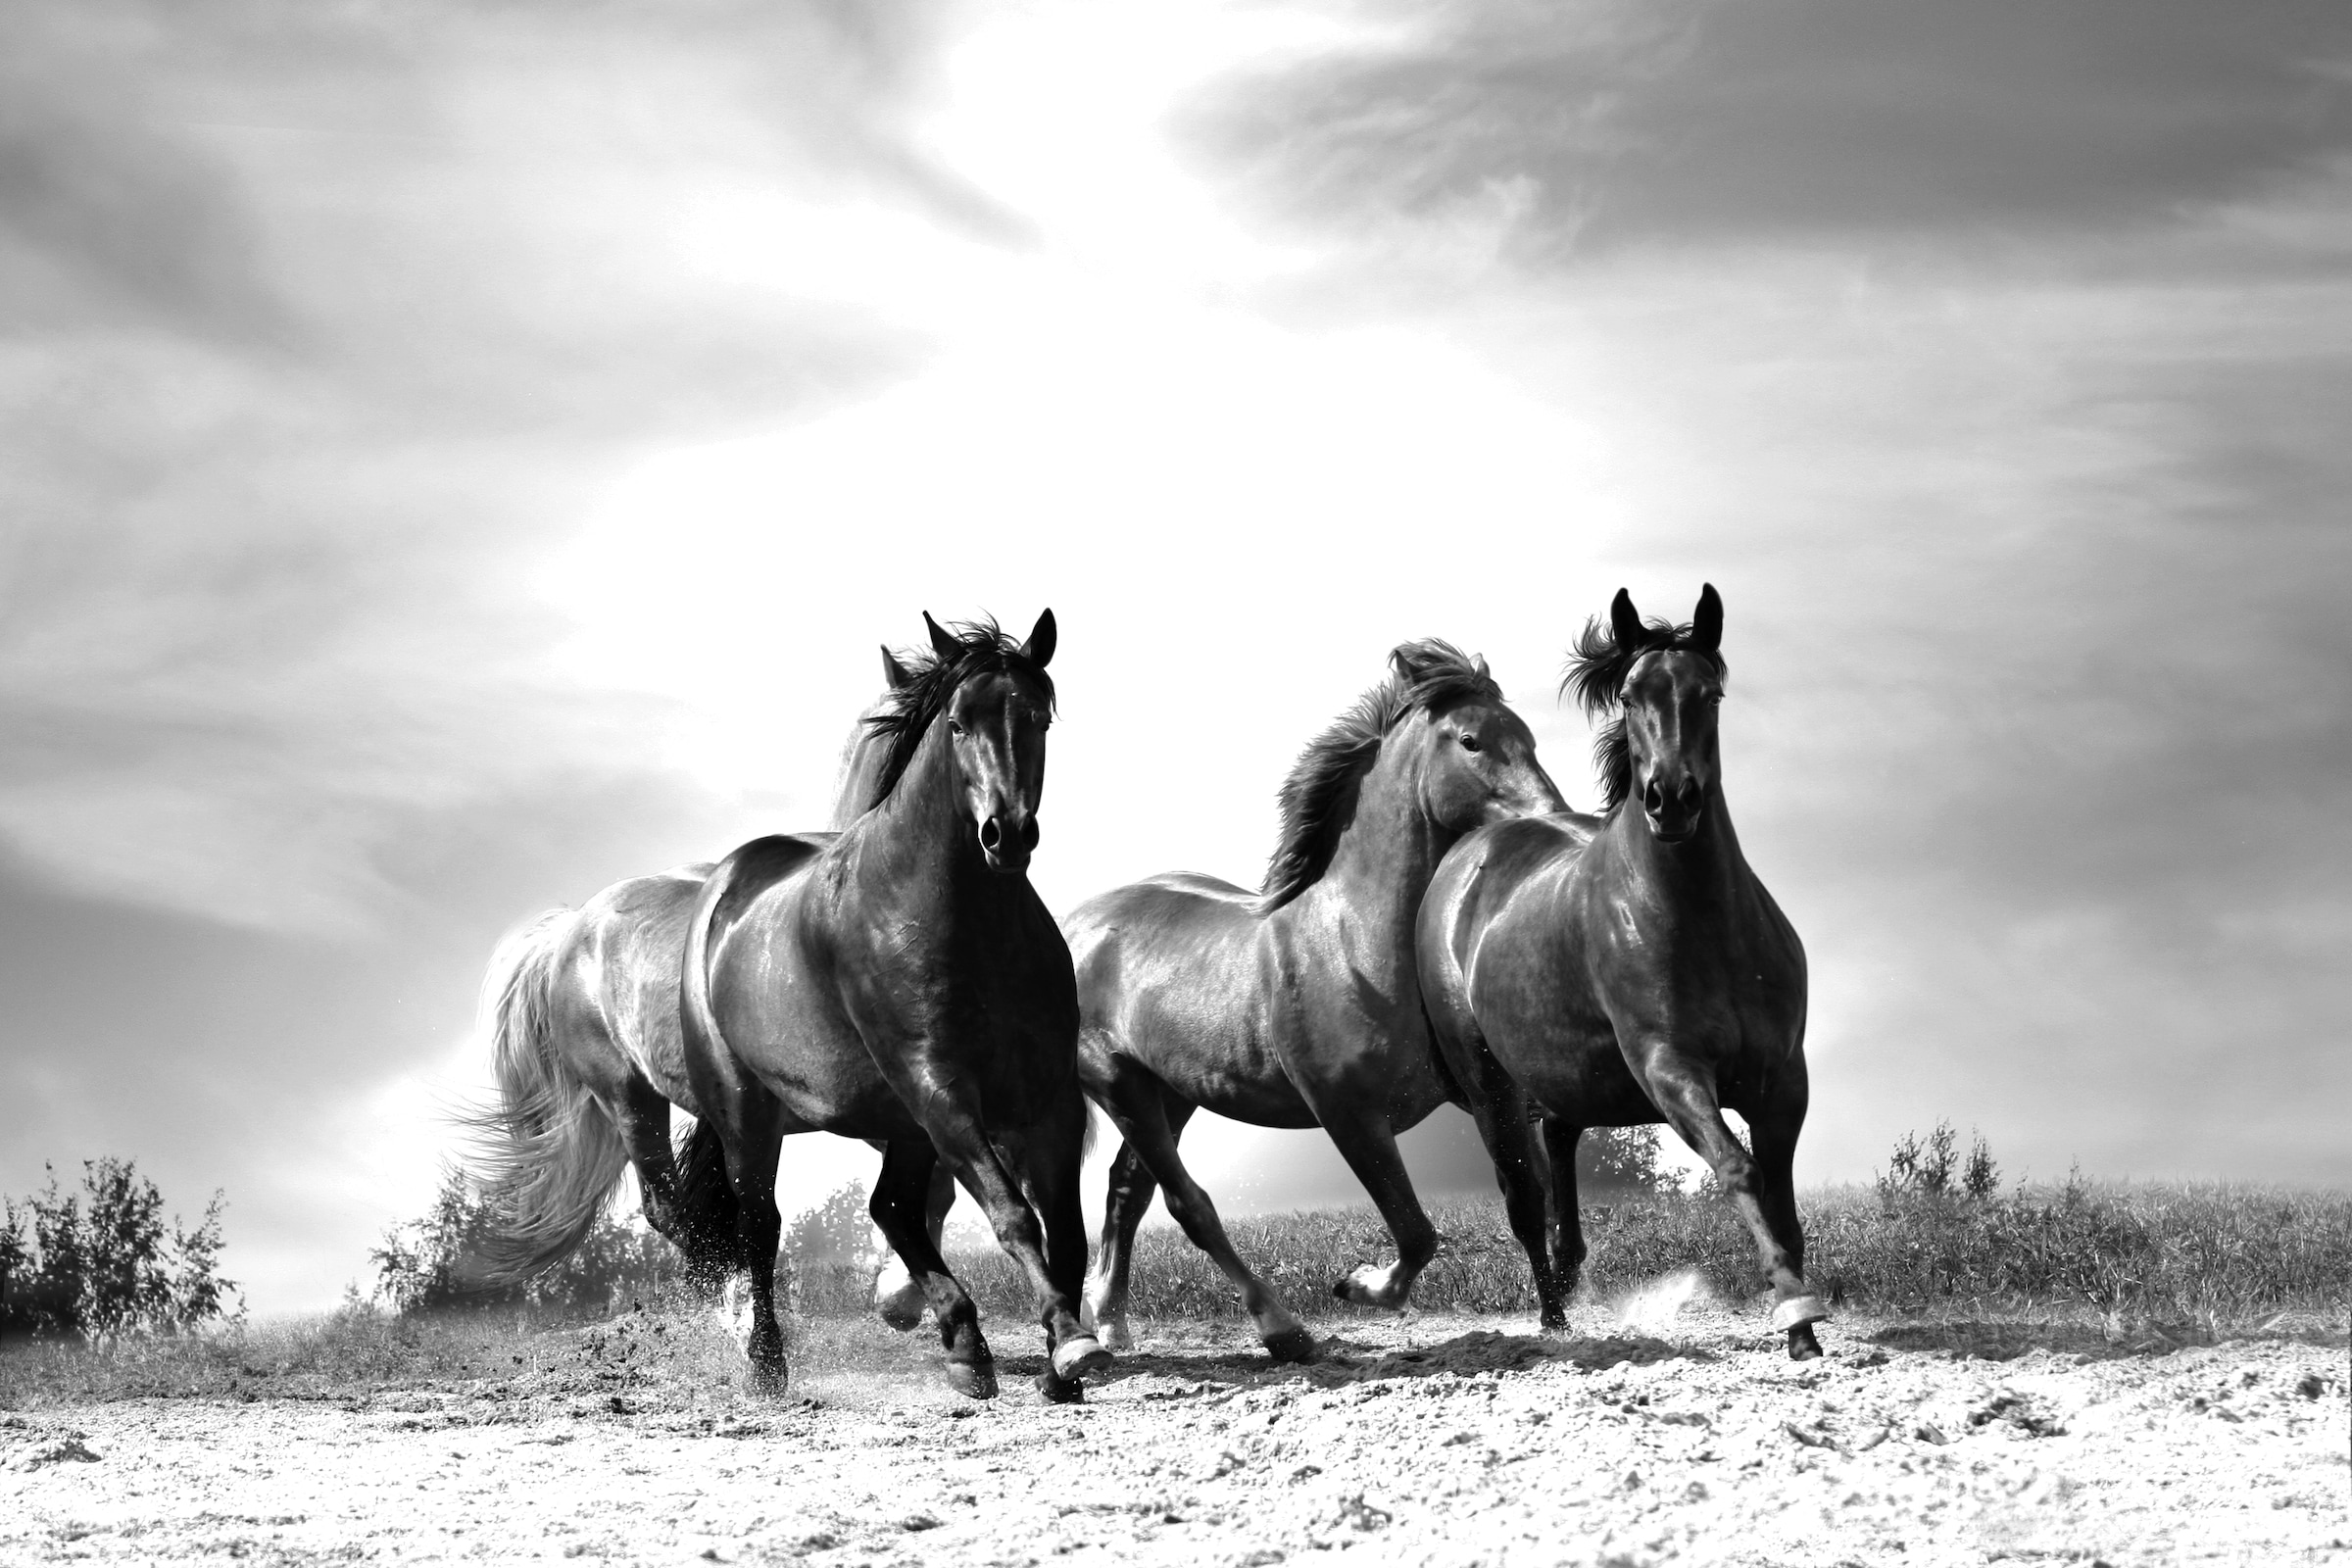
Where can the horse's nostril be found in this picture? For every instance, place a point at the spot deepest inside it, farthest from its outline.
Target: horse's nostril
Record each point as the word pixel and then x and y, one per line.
pixel 1029 834
pixel 990 835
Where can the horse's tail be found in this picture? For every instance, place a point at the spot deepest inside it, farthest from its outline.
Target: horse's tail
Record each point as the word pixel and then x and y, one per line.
pixel 548 1156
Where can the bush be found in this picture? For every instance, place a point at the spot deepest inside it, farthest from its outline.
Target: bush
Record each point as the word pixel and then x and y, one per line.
pixel 420 1266
pixel 103 1262
pixel 1620 1159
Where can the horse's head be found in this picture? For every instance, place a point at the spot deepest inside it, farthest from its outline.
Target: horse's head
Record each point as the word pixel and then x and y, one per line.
pixel 1671 688
pixel 1478 759
pixel 996 718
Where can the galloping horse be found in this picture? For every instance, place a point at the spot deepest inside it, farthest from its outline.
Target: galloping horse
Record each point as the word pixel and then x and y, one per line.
pixel 1629 970
pixel 901 982
pixel 1298 1006
pixel 582 1015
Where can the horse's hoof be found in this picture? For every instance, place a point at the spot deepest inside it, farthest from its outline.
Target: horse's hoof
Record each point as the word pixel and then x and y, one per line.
pixel 1372 1285
pixel 1799 1310
pixel 1803 1345
pixel 1060 1391
pixel 1292 1345
pixel 769 1378
pixel 1116 1335
pixel 974 1380
pixel 1080 1355
pixel 900 1305
pixel 1555 1321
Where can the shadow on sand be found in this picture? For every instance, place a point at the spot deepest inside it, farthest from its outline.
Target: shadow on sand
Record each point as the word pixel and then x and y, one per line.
pixel 1346 1362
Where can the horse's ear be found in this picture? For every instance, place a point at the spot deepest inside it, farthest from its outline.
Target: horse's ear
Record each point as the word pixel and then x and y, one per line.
pixel 944 646
pixel 1706 626
pixel 1480 661
pixel 1039 648
pixel 1400 660
pixel 1625 622
pixel 894 673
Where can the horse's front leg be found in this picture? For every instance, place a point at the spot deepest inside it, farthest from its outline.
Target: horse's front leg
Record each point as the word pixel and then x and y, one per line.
pixel 1775 1129
pixel 952 1119
pixel 901 1205
pixel 1687 1097
pixel 1567 1221
pixel 1368 1144
pixel 899 1296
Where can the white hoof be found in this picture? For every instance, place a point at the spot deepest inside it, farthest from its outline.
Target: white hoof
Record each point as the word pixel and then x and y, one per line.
pixel 898 1298
pixel 1079 1355
pixel 1372 1285
pixel 1799 1310
pixel 1116 1333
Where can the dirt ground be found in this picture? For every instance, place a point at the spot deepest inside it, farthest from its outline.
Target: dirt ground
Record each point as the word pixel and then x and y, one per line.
pixel 1426 1439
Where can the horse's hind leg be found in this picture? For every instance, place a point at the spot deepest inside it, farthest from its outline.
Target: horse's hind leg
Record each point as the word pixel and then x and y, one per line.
pixel 641 1116
pixel 1150 1120
pixel 1369 1145
pixel 901 1205
pixel 1126 1196
pixel 1501 1111
pixel 1759 1188
pixel 746 1123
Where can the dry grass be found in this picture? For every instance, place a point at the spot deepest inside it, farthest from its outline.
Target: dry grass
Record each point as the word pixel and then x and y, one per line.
pixel 2215 1254
pixel 2132 1266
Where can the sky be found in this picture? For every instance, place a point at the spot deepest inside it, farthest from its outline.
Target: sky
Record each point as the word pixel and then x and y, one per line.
pixel 459 456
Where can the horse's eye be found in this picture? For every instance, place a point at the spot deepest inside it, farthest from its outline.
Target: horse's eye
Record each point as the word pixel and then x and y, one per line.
pixel 1469 743
pixel 954 726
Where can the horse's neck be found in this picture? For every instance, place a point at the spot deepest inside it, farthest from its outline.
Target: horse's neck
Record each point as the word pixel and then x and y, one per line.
pixel 1388 852
pixel 1701 874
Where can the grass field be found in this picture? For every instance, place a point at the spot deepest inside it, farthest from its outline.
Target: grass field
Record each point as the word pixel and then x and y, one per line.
pixel 2224 1255
pixel 2189 1262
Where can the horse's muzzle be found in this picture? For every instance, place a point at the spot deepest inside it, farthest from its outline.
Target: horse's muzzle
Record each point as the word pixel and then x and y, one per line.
pixel 1674 810
pixel 1008 848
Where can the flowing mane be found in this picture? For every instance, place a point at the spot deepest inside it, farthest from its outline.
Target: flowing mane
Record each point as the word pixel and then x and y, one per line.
pixel 1596 676
pixel 902 716
pixel 1318 797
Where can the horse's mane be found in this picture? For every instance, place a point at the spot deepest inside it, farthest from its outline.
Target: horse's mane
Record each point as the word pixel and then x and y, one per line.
pixel 903 715
pixel 1316 798
pixel 1596 673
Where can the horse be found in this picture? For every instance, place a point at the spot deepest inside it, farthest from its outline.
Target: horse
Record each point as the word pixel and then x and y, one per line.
pixel 1298 1005
pixel 1629 969
pixel 581 1007
pixel 901 982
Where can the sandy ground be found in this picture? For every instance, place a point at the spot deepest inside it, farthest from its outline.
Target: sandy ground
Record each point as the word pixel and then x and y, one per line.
pixel 1427 1440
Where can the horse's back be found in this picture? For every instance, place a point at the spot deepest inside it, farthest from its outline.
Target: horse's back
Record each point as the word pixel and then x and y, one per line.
pixel 1127 941
pixel 1171 974
pixel 1481 881
pixel 616 1001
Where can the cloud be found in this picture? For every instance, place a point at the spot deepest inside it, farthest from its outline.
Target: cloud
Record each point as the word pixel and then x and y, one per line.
pixel 1804 121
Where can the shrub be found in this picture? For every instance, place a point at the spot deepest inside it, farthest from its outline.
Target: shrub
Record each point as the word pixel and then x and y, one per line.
pixel 102 1261
pixel 1620 1159
pixel 420 1266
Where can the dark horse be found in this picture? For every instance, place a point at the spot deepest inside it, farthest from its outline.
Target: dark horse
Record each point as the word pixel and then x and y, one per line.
pixel 1298 1006
pixel 1630 969
pixel 583 1016
pixel 901 982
